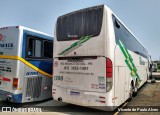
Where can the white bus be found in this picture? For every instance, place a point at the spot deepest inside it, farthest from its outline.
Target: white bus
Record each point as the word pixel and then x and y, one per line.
pixel 25 64
pixel 97 60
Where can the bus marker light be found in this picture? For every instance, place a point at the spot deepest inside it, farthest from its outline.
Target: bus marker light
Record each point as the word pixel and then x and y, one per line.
pixel 101 97
pixel 102 101
pixel 19 88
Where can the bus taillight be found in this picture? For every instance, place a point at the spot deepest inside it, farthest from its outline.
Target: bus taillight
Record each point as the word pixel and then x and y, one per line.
pixel 15 83
pixel 109 71
pixel 108 68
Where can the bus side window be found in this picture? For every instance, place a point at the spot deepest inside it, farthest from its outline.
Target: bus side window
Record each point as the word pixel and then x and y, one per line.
pixel 34 48
pixel 38 48
pixel 117 24
pixel 48 49
pixel 129 41
pixel 30 52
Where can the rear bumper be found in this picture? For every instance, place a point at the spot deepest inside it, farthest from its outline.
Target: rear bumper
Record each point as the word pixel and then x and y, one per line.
pixel 15 98
pixel 94 100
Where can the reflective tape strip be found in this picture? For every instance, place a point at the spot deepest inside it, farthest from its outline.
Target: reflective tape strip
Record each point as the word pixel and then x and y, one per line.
pixel 27 63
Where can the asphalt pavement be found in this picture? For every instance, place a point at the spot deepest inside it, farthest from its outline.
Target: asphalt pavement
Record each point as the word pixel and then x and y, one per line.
pixel 148 96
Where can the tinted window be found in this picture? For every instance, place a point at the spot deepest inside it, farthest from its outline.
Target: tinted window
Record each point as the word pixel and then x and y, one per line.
pixel 81 23
pixel 30 51
pixel 34 48
pixel 39 48
pixel 129 41
pixel 48 49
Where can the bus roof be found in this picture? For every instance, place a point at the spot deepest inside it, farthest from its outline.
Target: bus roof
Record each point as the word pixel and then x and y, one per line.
pixel 28 29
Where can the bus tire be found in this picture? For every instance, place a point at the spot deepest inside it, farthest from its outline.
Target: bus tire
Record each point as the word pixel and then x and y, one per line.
pixel 135 91
pixel 131 91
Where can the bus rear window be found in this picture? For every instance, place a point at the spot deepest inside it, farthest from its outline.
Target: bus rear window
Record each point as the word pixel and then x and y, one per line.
pixel 87 22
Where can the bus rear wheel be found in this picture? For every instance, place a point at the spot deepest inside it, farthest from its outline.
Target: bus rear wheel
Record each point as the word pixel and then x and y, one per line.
pixel 135 91
pixel 131 92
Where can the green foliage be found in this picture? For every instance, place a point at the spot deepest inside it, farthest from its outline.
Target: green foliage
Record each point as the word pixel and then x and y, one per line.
pixel 158 66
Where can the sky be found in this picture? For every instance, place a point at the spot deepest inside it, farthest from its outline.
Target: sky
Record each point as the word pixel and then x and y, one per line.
pixel 142 17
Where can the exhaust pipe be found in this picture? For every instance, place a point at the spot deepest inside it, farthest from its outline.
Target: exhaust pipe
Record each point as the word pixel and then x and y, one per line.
pixel 8 99
pixel 59 99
